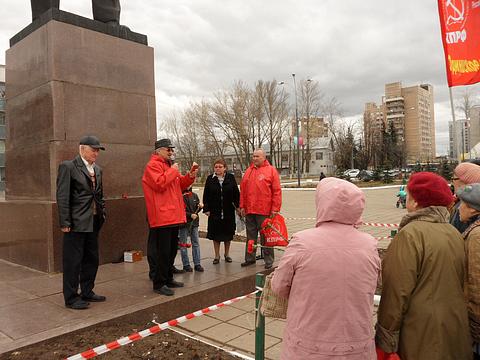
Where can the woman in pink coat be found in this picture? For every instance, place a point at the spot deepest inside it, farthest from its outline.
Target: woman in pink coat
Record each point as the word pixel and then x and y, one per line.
pixel 329 275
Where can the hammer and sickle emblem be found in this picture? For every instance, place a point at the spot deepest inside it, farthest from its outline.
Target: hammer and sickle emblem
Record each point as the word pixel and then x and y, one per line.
pixel 456 14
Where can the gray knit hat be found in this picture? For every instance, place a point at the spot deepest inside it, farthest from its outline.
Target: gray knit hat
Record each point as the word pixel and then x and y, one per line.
pixel 470 194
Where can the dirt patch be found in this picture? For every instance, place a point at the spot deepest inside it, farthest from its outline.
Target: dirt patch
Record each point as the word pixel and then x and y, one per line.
pixel 164 345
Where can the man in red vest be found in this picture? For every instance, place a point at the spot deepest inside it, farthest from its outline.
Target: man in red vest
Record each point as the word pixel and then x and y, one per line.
pixel 260 197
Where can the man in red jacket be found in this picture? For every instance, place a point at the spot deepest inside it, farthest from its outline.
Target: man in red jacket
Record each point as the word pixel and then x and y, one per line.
pixel 162 187
pixel 260 197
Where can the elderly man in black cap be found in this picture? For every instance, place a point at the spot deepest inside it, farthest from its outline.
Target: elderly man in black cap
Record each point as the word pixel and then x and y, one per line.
pixel 162 186
pixel 81 209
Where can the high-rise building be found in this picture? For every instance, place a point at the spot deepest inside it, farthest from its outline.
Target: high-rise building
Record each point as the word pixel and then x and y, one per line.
pixel 2 127
pixel 373 127
pixel 459 134
pixel 474 125
pixel 409 111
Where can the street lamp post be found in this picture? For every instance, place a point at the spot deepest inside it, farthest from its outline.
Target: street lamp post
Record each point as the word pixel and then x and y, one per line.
pixel 298 131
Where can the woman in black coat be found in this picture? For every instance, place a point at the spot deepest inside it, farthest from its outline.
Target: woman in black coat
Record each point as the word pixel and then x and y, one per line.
pixel 220 199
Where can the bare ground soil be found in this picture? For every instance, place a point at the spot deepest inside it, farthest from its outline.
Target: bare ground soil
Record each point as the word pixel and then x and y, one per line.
pixel 164 345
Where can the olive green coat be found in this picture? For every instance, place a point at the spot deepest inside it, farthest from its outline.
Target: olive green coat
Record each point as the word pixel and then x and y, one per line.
pixel 472 280
pixel 422 313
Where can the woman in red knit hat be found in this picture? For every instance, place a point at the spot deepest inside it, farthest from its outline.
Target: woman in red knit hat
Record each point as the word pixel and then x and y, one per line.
pixel 422 313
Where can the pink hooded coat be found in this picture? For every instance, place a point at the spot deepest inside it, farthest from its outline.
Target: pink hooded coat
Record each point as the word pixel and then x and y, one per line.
pixel 329 275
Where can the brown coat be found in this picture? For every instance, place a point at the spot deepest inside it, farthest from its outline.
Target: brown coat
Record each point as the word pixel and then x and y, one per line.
pixel 422 313
pixel 472 280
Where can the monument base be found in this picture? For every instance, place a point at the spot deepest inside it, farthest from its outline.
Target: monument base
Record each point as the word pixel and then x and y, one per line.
pixel 30 234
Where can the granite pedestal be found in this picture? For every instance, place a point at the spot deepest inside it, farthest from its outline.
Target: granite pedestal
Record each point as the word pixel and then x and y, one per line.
pixel 64 81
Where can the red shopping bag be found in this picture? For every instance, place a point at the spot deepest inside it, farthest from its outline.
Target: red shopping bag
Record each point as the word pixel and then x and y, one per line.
pixel 382 355
pixel 275 231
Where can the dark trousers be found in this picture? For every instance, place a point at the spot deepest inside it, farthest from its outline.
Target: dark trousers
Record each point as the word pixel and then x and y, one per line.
pixel 161 252
pixel 80 263
pixel 103 10
pixel 253 223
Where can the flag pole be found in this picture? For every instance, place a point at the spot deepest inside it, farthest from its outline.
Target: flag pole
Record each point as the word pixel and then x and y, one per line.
pixel 454 124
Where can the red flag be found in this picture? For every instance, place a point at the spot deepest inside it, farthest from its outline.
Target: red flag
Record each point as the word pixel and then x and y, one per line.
pixel 460 23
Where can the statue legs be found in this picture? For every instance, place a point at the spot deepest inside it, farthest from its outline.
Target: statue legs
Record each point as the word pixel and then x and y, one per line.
pixel 40 6
pixel 107 11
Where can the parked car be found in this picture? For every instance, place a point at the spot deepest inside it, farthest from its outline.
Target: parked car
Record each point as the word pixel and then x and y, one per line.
pixel 365 175
pixel 351 173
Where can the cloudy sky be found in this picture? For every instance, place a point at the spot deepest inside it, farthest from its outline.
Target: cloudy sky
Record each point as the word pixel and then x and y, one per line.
pixel 350 47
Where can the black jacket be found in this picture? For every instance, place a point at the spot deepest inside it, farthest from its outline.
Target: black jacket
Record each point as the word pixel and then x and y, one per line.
pixel 75 195
pixel 191 207
pixel 225 198
pixel 221 200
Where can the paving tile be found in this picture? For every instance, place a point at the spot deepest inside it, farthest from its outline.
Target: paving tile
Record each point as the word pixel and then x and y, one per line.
pixel 275 328
pixel 114 302
pixel 246 342
pixel 11 272
pixel 247 304
pixel 40 286
pixel 108 272
pixel 226 313
pixel 12 295
pixel 34 316
pixel 246 321
pixel 223 332
pixel 274 352
pixel 4 339
pixel 199 324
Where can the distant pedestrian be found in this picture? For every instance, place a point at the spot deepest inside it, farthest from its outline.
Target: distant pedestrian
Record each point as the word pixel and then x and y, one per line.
pixel 190 230
pixel 322 176
pixel 260 197
pixel 464 174
pixel 422 312
pixel 162 187
pixel 81 209
pixel 329 275
pixel 220 198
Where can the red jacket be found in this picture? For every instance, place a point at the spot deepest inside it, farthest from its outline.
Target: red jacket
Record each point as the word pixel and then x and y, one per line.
pixel 260 191
pixel 162 188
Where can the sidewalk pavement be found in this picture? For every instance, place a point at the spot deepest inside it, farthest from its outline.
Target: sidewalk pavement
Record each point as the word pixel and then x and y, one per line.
pixel 32 307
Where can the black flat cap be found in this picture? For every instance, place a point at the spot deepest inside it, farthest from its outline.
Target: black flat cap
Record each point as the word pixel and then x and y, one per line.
pixel 166 143
pixel 91 141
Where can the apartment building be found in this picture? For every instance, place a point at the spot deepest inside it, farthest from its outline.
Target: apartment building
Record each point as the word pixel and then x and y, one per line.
pixel 410 111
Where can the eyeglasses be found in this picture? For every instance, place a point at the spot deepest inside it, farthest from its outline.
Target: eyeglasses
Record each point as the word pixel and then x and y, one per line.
pixel 455 178
pixel 170 149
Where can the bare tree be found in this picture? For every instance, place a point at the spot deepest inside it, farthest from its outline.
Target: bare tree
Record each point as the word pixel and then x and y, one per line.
pixel 276 112
pixel 466 103
pixel 310 107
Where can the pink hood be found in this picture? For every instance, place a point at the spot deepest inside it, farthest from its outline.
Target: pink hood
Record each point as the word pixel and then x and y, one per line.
pixel 339 201
pixel 329 274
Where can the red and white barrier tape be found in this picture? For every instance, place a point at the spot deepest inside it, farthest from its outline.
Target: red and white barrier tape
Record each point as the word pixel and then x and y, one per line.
pixel 364 223
pixel 91 353
pixel 381 225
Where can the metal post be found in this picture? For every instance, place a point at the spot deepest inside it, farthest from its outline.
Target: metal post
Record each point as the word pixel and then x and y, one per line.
pixel 455 140
pixel 259 320
pixel 298 131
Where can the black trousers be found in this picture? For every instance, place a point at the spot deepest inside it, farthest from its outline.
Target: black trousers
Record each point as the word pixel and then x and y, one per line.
pixel 161 252
pixel 253 223
pixel 80 262
pixel 103 10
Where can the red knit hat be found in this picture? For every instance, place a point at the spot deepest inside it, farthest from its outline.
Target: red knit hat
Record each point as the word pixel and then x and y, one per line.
pixel 429 189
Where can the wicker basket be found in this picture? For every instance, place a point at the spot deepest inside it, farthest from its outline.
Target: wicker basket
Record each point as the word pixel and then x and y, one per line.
pixel 272 305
